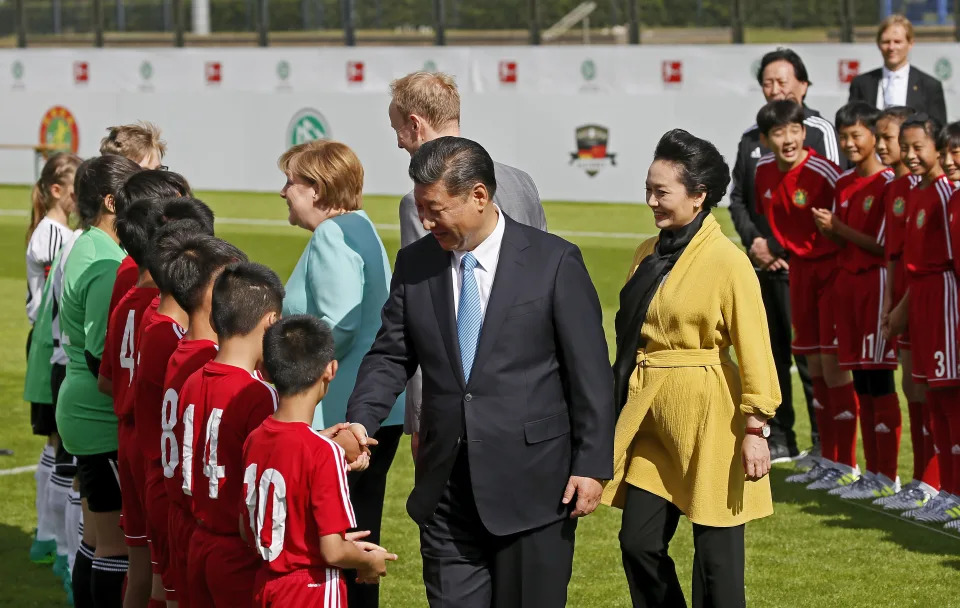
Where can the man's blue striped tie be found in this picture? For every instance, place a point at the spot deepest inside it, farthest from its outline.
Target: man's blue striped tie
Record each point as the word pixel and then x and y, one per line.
pixel 469 314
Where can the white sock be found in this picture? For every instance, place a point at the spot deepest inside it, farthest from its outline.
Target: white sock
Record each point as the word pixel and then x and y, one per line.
pixel 45 527
pixel 73 516
pixel 58 495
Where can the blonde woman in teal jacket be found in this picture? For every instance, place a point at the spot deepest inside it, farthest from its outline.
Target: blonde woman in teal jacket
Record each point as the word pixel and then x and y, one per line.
pixel 343 278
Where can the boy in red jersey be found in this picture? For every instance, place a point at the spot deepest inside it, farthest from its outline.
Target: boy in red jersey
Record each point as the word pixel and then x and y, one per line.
pixel 190 269
pixel 135 228
pixel 305 546
pixel 229 401
pixel 159 336
pixel 790 182
pixel 930 303
pixel 859 226
pixel 152 185
pixel 926 476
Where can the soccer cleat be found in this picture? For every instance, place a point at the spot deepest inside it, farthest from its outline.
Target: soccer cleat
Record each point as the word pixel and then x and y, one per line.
pixel 949 510
pixel 911 498
pixel 887 487
pixel 835 478
pixel 857 486
pixel 811 475
pixel 873 487
pixel 60 567
pixel 933 510
pixel 953 526
pixel 43 551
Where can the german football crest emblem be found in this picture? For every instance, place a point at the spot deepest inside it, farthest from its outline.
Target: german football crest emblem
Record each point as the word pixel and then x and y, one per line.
pixel 592 154
pixel 899 206
pixel 867 203
pixel 800 198
pixel 921 218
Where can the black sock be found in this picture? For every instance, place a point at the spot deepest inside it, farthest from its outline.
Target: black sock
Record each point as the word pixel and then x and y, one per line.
pixel 108 576
pixel 82 576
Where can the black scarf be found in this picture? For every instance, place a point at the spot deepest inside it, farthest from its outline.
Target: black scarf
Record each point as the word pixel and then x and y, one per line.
pixel 635 298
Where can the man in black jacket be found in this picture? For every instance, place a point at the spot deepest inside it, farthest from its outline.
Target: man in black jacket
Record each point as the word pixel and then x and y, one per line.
pixel 898 83
pixel 782 75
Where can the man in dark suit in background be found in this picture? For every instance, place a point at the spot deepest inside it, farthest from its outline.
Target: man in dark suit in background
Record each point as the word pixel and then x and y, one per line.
pixel 898 83
pixel 517 418
pixel 781 75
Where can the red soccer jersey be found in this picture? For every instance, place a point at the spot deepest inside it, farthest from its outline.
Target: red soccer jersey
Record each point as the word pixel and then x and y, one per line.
pixel 927 247
pixel 858 204
pixel 190 356
pixel 229 403
pixel 120 345
pixel 953 222
pixel 290 464
pixel 895 208
pixel 127 276
pixel 786 199
pixel 158 341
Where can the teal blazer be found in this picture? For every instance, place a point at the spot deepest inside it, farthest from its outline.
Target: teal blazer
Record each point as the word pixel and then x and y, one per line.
pixel 343 278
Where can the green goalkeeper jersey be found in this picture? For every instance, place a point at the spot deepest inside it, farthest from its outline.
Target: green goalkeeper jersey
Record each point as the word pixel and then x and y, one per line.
pixel 85 417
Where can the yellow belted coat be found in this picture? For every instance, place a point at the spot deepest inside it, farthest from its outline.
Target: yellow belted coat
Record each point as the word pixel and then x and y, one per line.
pixel 680 432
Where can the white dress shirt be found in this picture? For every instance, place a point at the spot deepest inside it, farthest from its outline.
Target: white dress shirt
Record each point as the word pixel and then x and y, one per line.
pixel 488 256
pixel 893 87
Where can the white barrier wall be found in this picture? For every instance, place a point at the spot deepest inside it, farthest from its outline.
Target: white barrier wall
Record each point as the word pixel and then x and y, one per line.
pixel 227 114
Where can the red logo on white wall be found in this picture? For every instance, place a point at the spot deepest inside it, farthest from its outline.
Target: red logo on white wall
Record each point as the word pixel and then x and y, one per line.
pixel 81 72
pixel 354 71
pixel 213 72
pixel 671 72
pixel 508 72
pixel 847 70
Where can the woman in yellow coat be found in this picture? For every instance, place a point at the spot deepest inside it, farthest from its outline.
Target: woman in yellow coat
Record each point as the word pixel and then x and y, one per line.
pixel 691 434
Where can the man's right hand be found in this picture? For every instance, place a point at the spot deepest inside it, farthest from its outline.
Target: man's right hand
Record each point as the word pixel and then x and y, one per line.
pixel 360 432
pixel 760 253
pixel 414 444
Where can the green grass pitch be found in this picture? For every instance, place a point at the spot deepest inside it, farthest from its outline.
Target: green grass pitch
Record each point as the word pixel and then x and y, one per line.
pixel 815 551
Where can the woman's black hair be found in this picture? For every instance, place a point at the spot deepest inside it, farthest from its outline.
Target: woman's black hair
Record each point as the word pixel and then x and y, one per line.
pixel 699 164
pixel 95 179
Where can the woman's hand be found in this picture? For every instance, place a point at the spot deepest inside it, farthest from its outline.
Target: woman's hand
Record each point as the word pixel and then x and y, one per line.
pixel 756 457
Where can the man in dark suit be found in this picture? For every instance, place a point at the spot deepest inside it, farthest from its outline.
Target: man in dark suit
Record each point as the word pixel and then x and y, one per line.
pixel 898 83
pixel 517 417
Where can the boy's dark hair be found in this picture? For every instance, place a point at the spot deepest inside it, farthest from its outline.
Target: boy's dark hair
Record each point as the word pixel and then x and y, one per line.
pixel 788 55
pixel 152 184
pixel 95 179
pixel 949 137
pixel 167 239
pixel 136 226
pixel 921 120
pixel 699 164
pixel 190 262
pixel 243 293
pixel 779 113
pixel 188 208
pixel 897 113
pixel 857 112
pixel 296 351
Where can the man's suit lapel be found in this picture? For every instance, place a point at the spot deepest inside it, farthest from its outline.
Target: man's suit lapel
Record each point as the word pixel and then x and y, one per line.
pixel 441 292
pixel 914 95
pixel 506 286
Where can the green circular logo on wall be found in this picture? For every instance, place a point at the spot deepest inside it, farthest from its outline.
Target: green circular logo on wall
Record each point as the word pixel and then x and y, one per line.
pixel 307 125
pixel 429 65
pixel 283 70
pixel 146 70
pixel 17 69
pixel 588 69
pixel 943 68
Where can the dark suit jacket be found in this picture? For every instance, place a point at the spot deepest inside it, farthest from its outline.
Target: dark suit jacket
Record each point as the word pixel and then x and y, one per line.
pixel 924 92
pixel 539 404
